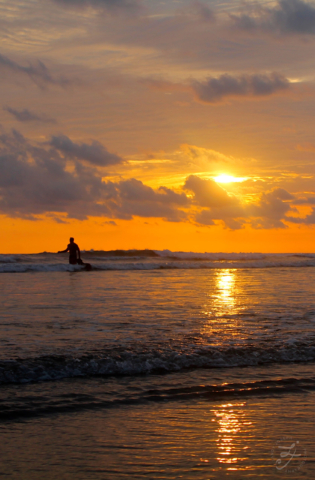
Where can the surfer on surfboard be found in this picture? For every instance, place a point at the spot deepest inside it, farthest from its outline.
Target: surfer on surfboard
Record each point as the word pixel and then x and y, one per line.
pixel 75 255
pixel 74 252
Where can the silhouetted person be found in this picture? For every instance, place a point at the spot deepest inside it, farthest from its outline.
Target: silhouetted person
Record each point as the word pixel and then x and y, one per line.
pixel 73 249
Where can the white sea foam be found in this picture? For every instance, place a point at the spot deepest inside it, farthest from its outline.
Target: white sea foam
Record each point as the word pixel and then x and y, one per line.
pixel 159 264
pixel 146 362
pixel 216 256
pixel 8 258
pixel 23 268
pixel 152 260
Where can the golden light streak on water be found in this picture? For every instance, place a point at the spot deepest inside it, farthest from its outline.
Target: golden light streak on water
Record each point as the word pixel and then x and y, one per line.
pixel 222 311
pixel 225 288
pixel 231 422
pixel 222 294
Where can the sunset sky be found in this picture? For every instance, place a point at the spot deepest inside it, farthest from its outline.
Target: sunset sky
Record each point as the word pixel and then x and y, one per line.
pixel 178 124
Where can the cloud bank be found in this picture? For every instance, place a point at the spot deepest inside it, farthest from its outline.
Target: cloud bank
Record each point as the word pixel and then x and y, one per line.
pixel 269 211
pixel 35 180
pixel 63 177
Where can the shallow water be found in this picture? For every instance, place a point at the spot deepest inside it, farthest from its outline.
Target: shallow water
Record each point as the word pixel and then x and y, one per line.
pixel 59 324
pixel 157 373
pixel 204 439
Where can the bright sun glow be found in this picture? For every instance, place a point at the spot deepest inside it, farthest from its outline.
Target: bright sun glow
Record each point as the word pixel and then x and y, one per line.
pixel 223 178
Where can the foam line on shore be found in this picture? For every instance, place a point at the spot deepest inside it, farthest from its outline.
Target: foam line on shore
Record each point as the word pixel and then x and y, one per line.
pixel 161 360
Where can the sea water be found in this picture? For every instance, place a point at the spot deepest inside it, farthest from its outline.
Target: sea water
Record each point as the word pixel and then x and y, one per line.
pixel 157 365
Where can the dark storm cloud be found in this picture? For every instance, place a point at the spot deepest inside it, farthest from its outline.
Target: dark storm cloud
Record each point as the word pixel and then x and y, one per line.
pixel 28 116
pixel 288 17
pixel 215 89
pixel 109 5
pixel 35 180
pixel 95 153
pixel 38 72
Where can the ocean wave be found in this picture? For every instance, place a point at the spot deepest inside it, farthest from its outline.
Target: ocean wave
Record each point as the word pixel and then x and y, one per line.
pixel 157 265
pixel 151 260
pixel 37 267
pixel 159 360
pixel 214 256
pixel 19 405
pixel 8 258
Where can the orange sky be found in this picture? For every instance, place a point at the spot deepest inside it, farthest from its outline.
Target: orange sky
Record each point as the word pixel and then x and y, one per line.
pixel 117 118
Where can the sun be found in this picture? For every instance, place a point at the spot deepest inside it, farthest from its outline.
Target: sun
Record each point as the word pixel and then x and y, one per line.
pixel 224 178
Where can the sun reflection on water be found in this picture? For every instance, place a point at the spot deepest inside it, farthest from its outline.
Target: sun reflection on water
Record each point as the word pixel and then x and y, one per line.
pixel 223 306
pixel 225 288
pixel 231 422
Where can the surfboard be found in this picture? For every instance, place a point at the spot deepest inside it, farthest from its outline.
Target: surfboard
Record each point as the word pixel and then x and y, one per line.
pixel 87 266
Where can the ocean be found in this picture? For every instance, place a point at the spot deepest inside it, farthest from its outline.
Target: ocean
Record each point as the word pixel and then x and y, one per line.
pixel 157 365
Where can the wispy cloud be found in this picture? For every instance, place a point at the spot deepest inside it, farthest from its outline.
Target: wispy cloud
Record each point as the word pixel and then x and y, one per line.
pixel 28 116
pixel 38 72
pixel 217 89
pixel 306 147
pixel 112 6
pixel 259 85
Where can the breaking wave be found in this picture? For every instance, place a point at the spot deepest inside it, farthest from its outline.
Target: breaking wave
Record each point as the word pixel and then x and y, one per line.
pixel 151 260
pixel 149 361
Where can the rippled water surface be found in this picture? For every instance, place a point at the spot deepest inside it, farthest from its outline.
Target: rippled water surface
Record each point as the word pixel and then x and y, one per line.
pixel 132 322
pixel 157 373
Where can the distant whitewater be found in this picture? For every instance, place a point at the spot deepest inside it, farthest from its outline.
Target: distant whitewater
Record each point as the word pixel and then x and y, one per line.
pixel 151 260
